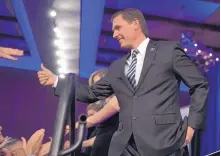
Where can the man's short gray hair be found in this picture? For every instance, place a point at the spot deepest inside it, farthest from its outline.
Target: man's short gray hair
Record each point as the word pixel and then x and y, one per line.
pixel 129 15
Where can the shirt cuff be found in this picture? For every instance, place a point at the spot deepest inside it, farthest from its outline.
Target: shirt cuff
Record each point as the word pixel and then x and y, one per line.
pixel 56 82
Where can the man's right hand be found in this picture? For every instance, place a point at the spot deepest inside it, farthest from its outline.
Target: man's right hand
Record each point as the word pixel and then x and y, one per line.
pixel 46 77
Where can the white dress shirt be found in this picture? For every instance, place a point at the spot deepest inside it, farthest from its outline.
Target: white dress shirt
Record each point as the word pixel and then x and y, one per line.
pixel 140 59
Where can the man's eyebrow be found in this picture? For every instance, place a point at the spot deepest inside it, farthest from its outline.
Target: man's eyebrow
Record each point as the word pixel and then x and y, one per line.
pixel 115 27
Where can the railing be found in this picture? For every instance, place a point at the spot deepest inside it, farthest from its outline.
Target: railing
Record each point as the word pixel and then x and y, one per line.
pixel 66 114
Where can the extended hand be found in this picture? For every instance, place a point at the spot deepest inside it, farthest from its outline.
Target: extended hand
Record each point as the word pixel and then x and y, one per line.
pixel 34 143
pixel 9 53
pixel 46 77
pixel 189 136
pixel 45 148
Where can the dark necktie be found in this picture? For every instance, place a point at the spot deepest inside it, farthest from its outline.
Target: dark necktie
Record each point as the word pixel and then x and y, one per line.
pixel 132 69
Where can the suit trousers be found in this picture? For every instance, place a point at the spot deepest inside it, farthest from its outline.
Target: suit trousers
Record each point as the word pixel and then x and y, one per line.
pixel 131 150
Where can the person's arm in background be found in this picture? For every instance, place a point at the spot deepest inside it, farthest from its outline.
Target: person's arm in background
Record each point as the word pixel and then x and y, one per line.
pixel 199 88
pixel 9 53
pixel 33 145
pixel 111 108
pixel 89 142
pixel 84 93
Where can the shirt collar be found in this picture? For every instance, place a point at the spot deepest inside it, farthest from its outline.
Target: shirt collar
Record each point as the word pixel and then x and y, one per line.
pixel 142 47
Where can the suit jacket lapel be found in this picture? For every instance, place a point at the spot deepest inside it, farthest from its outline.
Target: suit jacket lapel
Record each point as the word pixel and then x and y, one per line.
pixel 123 76
pixel 149 56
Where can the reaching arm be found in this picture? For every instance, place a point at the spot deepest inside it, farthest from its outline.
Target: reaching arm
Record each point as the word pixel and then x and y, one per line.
pixel 89 142
pixel 199 87
pixel 9 53
pixel 99 91
pixel 84 93
pixel 109 110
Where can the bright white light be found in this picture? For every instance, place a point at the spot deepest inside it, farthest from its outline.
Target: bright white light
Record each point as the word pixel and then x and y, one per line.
pixel 210 54
pixel 61 70
pixel 52 13
pixel 60 53
pixel 61 62
pixel 57 32
pixel 62 76
pixel 55 29
pixel 195 45
pixel 59 43
pixel 207 63
pixel 199 51
pixel 185 49
pixel 217 59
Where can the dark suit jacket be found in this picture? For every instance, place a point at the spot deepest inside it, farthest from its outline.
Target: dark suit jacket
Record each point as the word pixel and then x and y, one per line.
pixel 152 112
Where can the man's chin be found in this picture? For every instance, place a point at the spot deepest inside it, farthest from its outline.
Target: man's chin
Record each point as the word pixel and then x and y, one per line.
pixel 125 46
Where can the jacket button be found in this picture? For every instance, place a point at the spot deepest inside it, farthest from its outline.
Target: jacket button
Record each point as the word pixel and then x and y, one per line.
pixel 134 118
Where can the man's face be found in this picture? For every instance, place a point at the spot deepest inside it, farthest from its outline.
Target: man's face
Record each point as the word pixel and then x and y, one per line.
pixel 1 135
pixel 123 31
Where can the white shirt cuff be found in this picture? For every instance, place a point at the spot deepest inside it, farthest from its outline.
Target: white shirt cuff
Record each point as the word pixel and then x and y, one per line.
pixel 56 82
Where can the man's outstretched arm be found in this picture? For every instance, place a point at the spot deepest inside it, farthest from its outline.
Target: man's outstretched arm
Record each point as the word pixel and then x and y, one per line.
pixel 84 93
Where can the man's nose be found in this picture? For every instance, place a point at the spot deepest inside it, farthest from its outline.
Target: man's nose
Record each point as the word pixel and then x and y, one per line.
pixel 115 34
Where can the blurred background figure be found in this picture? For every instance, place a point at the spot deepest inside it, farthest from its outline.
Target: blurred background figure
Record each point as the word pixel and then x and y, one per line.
pixel 98 139
pixel 5 152
pixel 9 142
pixel 16 147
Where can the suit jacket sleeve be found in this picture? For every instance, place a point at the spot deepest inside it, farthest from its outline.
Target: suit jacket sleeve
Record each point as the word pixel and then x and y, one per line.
pixel 199 87
pixel 99 91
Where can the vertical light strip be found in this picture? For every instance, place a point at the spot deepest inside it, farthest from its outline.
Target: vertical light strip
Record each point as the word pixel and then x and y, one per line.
pixel 67 21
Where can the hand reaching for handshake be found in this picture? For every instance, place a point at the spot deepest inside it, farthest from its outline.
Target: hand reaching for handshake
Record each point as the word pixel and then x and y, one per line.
pixel 9 53
pixel 34 145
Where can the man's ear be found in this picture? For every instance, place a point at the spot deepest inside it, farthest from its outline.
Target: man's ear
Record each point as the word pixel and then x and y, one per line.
pixel 136 23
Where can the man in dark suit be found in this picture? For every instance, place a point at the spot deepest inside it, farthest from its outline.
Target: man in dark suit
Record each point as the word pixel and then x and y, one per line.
pixel 146 83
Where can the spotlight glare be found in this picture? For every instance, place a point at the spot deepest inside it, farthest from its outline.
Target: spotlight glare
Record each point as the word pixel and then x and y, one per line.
pixel 58 43
pixel 62 76
pixel 61 70
pixel 55 29
pixel 52 13
pixel 61 62
pixel 60 53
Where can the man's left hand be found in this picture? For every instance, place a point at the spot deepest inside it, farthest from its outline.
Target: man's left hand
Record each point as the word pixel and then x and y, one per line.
pixel 189 136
